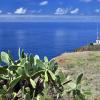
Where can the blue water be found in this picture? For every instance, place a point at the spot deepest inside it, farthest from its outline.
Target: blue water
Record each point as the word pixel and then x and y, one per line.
pixel 45 39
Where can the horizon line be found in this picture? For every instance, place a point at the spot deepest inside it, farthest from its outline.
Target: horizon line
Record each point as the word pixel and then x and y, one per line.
pixel 48 18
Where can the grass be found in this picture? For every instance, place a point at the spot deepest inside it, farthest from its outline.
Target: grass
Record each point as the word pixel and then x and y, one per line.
pixel 87 62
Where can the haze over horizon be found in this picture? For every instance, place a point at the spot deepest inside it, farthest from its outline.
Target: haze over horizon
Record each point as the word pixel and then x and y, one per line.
pixel 48 18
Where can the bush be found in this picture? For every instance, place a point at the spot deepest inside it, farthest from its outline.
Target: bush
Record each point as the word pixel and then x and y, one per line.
pixel 91 44
pixel 30 78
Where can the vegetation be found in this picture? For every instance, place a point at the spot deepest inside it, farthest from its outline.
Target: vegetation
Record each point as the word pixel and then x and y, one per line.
pixel 88 63
pixel 30 78
pixel 90 47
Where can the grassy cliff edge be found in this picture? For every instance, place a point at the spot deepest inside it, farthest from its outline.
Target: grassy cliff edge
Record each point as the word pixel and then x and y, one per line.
pixel 87 62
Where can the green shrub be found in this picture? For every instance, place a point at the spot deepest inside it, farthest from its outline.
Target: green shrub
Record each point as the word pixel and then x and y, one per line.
pixel 91 44
pixel 30 78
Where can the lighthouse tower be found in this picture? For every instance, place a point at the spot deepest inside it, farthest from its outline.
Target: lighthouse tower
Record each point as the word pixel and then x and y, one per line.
pixel 97 40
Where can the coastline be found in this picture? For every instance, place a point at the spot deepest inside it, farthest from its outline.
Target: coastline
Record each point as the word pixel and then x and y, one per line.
pixel 89 47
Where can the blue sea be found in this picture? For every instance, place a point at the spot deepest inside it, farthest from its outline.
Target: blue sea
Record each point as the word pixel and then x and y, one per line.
pixel 46 39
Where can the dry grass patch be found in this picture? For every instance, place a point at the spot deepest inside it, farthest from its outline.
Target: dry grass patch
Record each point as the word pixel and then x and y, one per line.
pixel 87 62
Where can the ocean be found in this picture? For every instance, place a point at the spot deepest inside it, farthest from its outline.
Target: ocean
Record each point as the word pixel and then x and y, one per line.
pixel 46 38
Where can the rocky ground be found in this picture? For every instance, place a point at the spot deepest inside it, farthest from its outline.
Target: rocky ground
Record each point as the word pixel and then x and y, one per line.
pixel 88 63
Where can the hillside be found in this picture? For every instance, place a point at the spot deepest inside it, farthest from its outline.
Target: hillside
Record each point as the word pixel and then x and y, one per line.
pixel 89 47
pixel 87 62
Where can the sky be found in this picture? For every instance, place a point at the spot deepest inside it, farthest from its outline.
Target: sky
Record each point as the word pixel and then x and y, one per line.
pixel 50 7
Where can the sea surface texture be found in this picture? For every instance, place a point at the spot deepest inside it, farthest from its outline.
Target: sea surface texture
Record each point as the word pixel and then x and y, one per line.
pixel 46 39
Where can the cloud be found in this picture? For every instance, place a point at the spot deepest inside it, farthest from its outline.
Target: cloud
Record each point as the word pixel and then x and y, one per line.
pixel 9 13
pixel 31 11
pixel 87 1
pixel 20 10
pixel 43 3
pixel 97 10
pixel 75 11
pixel 0 11
pixel 61 11
pixel 39 11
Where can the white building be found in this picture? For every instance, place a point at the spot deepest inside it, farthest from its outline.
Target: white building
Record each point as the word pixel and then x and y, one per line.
pixel 98 42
